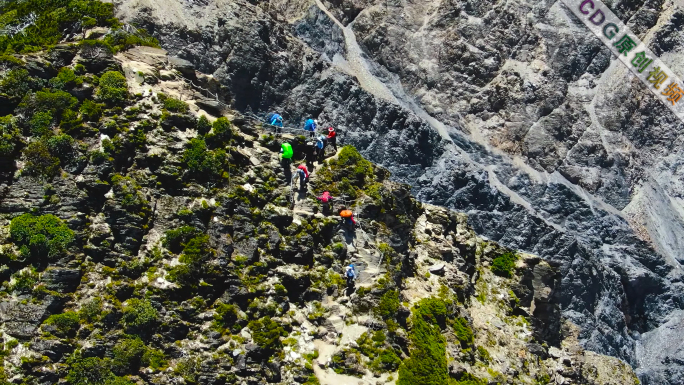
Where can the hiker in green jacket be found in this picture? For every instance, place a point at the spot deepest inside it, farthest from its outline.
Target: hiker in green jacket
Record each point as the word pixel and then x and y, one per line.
pixel 286 159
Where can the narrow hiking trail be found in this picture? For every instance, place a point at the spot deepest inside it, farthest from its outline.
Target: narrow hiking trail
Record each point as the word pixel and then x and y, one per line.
pixel 344 328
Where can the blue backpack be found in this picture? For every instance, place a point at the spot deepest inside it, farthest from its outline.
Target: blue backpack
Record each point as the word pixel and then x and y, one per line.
pixel 350 273
pixel 310 125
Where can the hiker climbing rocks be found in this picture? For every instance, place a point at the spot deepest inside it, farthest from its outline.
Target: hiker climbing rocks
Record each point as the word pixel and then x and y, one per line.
pixel 310 125
pixel 303 174
pixel 320 148
pixel 326 200
pixel 350 274
pixel 286 158
pixel 276 120
pixel 332 138
pixel 348 218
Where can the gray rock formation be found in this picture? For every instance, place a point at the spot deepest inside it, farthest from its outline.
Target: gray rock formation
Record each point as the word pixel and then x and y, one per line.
pixel 510 111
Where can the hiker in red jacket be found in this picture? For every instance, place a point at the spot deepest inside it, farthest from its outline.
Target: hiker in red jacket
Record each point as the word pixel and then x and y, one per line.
pixel 303 174
pixel 326 200
pixel 332 137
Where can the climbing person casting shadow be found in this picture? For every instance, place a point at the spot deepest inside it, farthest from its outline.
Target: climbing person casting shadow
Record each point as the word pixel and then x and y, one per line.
pixel 310 125
pixel 350 274
pixel 274 119
pixel 320 148
pixel 332 138
pixel 285 159
pixel 348 219
pixel 326 201
pixel 303 174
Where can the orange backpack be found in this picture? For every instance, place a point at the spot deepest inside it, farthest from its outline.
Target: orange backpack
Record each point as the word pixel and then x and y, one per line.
pixel 346 214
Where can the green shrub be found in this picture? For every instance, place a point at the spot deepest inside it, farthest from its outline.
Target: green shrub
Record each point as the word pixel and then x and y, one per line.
pixel 54 19
pixel 127 190
pixel 193 262
pixel 386 361
pixel 80 69
pixel 504 264
pixel 389 304
pixel 484 354
pixel 91 310
pixel 355 165
pixel 226 316
pixel 66 324
pixel 203 125
pixel 469 379
pixel 41 124
pixel 44 236
pixel 54 101
pixel 91 111
pixel 39 160
pixel 122 40
pixel 62 146
pixel 16 83
pixel 433 310
pixel 66 78
pixel 10 136
pixel 24 281
pixel 113 88
pixel 89 371
pixel 71 123
pixel 139 315
pixel 463 331
pixel 188 369
pixel 221 132
pixel 127 355
pixel 154 358
pixel 175 105
pixel 202 163
pixel 427 362
pixel 266 333
pixel 175 239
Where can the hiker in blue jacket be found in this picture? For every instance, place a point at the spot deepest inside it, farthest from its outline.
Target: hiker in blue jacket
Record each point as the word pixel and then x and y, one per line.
pixel 320 148
pixel 350 274
pixel 275 120
pixel 310 125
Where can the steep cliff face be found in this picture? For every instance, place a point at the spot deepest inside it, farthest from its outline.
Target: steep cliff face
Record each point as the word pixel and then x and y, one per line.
pixel 510 111
pixel 148 241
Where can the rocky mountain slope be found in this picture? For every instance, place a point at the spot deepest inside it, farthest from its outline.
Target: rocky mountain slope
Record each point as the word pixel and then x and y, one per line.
pixel 152 236
pixel 510 111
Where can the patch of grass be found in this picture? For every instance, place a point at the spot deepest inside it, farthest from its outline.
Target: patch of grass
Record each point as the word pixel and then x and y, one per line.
pixel 175 105
pixel 127 355
pixel 267 333
pixel 463 331
pixel 427 362
pixel 66 324
pixel 226 316
pixel 388 305
pixel 10 137
pixel 504 264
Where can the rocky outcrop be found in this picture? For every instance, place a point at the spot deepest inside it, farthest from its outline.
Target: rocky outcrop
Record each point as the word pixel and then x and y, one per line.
pixel 540 140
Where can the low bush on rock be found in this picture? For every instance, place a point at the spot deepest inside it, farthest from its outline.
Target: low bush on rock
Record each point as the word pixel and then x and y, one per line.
pixel 113 88
pixel 40 237
pixel 65 324
pixel 503 265
pixel 266 333
pixel 139 316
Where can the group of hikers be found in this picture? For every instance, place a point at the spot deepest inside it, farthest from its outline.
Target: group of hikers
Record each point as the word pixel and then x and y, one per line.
pixel 316 153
